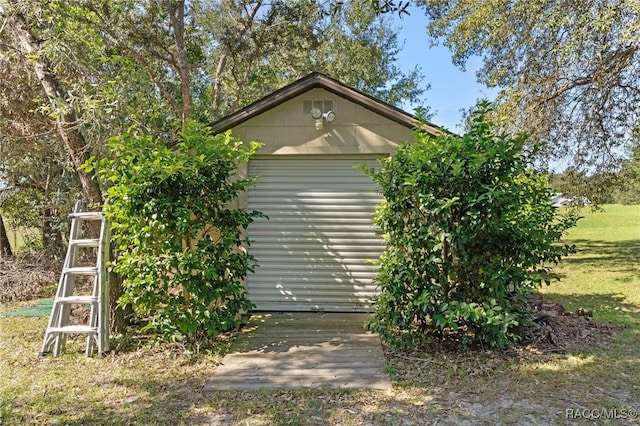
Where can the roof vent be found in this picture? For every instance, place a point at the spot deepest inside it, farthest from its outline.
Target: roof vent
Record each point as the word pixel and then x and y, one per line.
pixel 325 105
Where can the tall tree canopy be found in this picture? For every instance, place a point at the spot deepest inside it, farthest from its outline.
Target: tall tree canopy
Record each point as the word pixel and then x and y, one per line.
pixel 77 72
pixel 569 71
pixel 264 47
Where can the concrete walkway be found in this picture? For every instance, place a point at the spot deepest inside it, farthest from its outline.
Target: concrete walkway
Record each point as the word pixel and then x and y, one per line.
pixel 287 350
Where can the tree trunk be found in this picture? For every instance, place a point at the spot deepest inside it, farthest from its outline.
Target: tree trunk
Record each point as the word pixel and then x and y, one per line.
pixel 5 245
pixel 51 237
pixel 176 14
pixel 66 125
pixel 118 315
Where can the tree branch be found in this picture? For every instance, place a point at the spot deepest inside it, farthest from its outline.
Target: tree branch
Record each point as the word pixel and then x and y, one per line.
pixel 176 14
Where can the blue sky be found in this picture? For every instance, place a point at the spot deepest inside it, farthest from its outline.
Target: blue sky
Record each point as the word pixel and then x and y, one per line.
pixel 451 88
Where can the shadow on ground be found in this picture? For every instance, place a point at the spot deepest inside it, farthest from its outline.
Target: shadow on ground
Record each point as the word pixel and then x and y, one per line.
pixel 620 254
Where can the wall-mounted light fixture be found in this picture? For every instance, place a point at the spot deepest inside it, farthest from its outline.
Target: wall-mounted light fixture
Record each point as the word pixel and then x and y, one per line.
pixel 316 114
pixel 319 117
pixel 329 116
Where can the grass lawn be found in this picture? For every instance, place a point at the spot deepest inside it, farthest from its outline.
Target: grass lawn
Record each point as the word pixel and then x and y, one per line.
pixel 19 239
pixel 604 275
pixel 587 384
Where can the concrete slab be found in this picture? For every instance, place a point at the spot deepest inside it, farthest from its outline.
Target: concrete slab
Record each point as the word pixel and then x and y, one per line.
pixel 288 350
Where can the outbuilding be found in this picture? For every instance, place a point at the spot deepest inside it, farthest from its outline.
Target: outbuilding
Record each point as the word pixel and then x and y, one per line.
pixel 315 249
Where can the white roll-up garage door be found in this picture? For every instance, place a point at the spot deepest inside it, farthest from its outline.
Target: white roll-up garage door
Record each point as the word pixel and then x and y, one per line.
pixel 314 250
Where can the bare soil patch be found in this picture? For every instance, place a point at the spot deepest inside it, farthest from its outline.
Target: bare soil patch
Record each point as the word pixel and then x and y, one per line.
pixel 558 330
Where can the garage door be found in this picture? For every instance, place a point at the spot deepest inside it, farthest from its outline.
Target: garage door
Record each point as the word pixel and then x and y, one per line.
pixel 314 249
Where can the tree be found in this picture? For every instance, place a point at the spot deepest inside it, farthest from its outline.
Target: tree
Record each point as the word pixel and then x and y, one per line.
pixel 360 47
pixel 470 233
pixel 37 189
pixel 628 191
pixel 64 115
pixel 567 70
pixel 5 244
pixel 262 46
pixel 34 167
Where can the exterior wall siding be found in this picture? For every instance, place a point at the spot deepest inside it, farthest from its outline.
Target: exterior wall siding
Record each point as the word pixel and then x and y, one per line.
pixel 287 130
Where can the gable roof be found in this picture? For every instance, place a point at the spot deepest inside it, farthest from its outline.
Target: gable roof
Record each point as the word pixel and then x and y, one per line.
pixel 319 80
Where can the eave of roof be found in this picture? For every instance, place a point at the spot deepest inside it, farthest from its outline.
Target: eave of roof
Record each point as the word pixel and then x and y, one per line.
pixel 319 80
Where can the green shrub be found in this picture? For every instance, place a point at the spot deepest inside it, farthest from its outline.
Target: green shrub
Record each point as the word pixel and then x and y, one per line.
pixel 178 237
pixel 470 232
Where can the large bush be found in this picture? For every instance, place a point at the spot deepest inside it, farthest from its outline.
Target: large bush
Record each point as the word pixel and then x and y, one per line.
pixel 469 232
pixel 178 237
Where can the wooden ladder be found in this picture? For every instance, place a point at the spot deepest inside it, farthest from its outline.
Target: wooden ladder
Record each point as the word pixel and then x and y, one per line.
pixel 82 237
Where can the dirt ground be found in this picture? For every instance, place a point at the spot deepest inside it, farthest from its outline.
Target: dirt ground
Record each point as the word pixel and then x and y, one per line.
pixel 557 330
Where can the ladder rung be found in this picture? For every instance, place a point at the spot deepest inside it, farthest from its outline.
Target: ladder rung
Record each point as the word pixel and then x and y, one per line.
pixel 87 215
pixel 81 270
pixel 88 242
pixel 77 299
pixel 73 329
